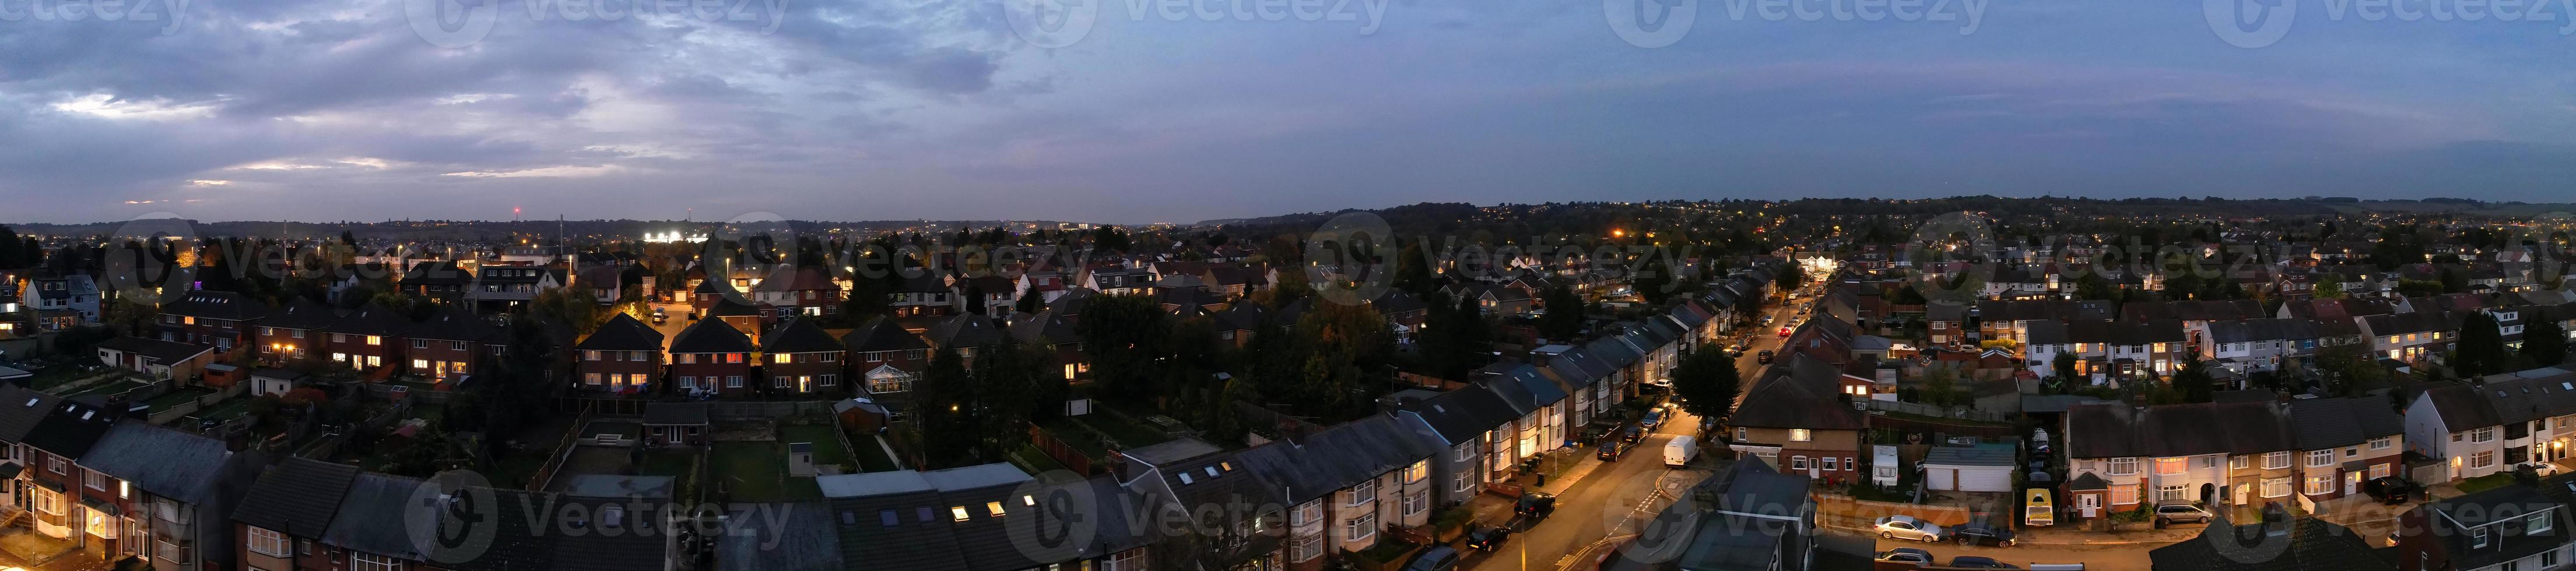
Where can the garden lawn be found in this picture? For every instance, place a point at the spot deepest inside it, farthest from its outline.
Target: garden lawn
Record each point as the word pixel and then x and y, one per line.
pixel 757 472
pixel 2484 483
pixel 827 444
pixel 872 456
pixel 1128 434
pixel 175 398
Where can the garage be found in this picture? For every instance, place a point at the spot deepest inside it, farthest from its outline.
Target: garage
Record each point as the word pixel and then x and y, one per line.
pixel 1980 468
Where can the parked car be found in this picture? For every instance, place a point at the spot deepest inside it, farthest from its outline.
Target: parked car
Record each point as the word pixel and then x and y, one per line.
pixel 1609 451
pixel 1679 451
pixel 1631 434
pixel 1535 505
pixel 1488 538
pixel 2542 469
pixel 660 317
pixel 2181 513
pixel 1738 348
pixel 1437 558
pixel 1763 357
pixel 1906 527
pixel 1911 555
pixel 2392 490
pixel 1974 534
pixel 1654 418
pixel 1975 562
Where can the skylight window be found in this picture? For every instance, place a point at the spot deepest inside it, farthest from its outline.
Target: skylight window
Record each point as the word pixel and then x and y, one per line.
pixel 887 518
pixel 994 508
pixel 1185 479
pixel 1211 471
pixel 1031 501
pixel 958 512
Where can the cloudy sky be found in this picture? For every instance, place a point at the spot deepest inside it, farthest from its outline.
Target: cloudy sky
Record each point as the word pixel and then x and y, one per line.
pixel 1179 110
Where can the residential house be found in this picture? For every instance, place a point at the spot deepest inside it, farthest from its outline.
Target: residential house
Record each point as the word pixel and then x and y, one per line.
pixel 293 333
pixel 206 317
pixel 452 345
pixel 368 339
pixel 1057 337
pixel 172 360
pixel 171 493
pixel 1465 420
pixel 2510 528
pixel 800 358
pixel 922 294
pixel 804 291
pixel 501 287
pixel 1796 418
pixel 75 293
pixel 623 357
pixel 2411 336
pixel 711 357
pixel 1747 517
pixel 443 281
pixel 2125 458
pixel 1347 484
pixel 2343 442
pixel 48 435
pixel 887 359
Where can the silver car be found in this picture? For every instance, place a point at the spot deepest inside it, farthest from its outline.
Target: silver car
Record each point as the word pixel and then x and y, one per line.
pixel 1906 527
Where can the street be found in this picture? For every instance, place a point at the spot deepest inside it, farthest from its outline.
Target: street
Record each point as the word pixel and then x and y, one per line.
pixel 2116 556
pixel 1606 503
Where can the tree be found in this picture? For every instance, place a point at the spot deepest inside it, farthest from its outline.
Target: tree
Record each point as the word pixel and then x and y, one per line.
pixel 1708 382
pixel 1126 337
pixel 2063 366
pixel 945 397
pixel 2544 341
pixel 2194 380
pixel 1413 270
pixel 2481 349
pixel 2094 286
pixel 975 300
pixel 1654 278
pixel 1030 303
pixel 1011 385
pixel 2330 288
pixel 1564 318
pixel 1792 276
pixel 1454 338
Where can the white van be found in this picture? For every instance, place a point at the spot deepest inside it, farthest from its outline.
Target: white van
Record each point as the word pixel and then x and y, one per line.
pixel 1680 451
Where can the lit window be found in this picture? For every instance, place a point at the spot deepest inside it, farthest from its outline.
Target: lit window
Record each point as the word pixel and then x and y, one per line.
pixel 958 512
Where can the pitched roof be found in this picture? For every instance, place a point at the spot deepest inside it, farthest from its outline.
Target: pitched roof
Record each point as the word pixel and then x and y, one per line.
pixel 301 314
pixel 212 304
pixel 2303 544
pixel 21 409
pixel 1461 415
pixel 453 324
pixel 803 538
pixel 1342 455
pixel 2117 430
pixel 623 333
pixel 299 496
pixel 799 335
pixel 165 462
pixel 711 336
pixel 163 351
pixel 965 331
pixel 2335 422
pixel 881 334
pixel 372 319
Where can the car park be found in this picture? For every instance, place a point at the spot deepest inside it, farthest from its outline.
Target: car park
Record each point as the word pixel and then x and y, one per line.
pixel 2181 513
pixel 1906 527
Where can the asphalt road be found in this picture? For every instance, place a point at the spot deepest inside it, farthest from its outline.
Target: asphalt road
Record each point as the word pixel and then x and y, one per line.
pixel 2125 556
pixel 1610 501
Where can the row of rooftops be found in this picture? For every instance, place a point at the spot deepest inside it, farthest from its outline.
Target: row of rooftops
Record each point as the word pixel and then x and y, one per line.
pixel 2117 430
